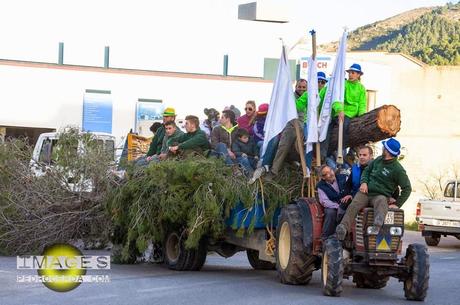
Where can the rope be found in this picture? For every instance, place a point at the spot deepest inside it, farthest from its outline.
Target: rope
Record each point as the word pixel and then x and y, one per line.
pixel 270 244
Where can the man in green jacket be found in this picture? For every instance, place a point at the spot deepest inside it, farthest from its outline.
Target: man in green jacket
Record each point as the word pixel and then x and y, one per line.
pixel 170 139
pixel 195 140
pixel 378 182
pixel 169 115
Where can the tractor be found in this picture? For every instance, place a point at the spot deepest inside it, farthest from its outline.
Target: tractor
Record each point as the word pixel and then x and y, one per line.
pixel 370 256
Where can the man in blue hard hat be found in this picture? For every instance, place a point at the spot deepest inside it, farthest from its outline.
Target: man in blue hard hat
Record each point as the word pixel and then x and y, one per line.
pixel 378 182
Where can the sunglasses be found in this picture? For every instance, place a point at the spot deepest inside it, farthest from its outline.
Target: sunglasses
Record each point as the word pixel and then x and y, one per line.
pixel 248 109
pixel 322 82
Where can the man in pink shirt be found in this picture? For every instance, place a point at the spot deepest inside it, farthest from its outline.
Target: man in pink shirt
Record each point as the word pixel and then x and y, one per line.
pixel 247 121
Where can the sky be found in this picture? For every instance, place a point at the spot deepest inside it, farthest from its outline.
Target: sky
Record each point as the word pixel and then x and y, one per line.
pixel 180 35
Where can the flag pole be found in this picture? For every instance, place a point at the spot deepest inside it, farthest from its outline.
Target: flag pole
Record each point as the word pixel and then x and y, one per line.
pixel 339 159
pixel 303 163
pixel 313 55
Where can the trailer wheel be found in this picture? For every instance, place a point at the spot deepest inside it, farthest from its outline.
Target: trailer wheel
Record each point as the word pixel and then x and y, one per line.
pixel 417 260
pixel 176 257
pixel 332 268
pixel 295 266
pixel 433 240
pixel 371 281
pixel 197 257
pixel 257 263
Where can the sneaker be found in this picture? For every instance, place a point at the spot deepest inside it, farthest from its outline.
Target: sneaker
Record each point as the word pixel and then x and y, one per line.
pixel 341 232
pixel 257 174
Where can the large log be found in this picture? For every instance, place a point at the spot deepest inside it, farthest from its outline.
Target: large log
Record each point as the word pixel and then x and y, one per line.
pixel 378 124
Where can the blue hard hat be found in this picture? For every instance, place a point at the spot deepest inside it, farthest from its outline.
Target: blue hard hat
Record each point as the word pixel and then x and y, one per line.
pixel 393 146
pixel 322 76
pixel 356 68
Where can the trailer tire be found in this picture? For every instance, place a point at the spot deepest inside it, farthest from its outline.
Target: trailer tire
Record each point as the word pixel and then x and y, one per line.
pixel 257 263
pixel 293 263
pixel 417 260
pixel 332 268
pixel 177 257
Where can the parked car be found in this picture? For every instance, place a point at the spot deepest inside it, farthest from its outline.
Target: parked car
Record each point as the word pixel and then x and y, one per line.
pixel 438 218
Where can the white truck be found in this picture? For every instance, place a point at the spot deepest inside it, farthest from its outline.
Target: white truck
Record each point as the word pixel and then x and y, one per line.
pixel 42 157
pixel 438 218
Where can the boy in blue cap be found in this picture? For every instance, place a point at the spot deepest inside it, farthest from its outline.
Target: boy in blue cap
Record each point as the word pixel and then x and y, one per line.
pixel 322 80
pixel 378 182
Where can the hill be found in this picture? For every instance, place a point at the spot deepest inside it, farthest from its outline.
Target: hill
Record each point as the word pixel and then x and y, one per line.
pixel 429 34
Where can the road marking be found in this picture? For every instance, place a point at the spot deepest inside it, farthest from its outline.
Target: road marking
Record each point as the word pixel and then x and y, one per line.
pixel 195 284
pixel 449 257
pixel 4 271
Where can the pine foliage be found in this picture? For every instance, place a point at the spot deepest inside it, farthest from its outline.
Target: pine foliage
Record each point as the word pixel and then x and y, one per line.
pixel 193 196
pixel 432 37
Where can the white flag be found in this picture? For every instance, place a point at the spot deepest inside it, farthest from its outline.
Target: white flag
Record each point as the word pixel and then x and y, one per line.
pixel 335 89
pixel 313 102
pixel 282 104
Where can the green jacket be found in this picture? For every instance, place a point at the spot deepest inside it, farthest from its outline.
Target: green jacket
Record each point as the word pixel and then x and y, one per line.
pixel 157 141
pixel 170 141
pixel 301 105
pixel 196 141
pixel 355 100
pixel 384 176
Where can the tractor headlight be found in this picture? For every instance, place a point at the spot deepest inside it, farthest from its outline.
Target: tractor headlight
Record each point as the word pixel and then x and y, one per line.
pixel 373 230
pixel 396 231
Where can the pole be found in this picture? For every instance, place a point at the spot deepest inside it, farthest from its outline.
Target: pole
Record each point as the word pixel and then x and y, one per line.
pixel 313 55
pixel 339 159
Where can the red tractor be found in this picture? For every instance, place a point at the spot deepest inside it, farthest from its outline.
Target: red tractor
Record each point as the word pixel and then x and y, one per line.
pixel 369 255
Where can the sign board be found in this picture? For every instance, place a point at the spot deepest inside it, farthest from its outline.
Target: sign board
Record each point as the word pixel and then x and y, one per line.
pixel 97 111
pixel 148 111
pixel 324 64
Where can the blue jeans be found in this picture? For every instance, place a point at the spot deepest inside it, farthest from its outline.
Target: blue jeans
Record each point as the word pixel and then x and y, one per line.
pixel 221 151
pixel 329 223
pixel 270 152
pixel 249 163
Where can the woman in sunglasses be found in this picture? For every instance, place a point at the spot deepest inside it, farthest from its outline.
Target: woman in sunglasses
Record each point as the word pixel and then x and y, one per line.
pixel 247 120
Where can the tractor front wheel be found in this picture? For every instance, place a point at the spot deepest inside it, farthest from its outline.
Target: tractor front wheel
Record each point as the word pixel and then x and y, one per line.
pixel 332 267
pixel 417 260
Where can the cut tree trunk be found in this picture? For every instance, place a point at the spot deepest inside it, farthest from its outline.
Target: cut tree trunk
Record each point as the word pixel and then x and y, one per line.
pixel 379 124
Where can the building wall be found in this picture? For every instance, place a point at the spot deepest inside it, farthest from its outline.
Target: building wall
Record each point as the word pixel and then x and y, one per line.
pixel 52 97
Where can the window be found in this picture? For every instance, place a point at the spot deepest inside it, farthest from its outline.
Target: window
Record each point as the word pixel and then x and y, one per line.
pixel 450 190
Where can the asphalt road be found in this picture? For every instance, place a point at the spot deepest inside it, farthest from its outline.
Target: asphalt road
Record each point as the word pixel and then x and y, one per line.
pixel 229 281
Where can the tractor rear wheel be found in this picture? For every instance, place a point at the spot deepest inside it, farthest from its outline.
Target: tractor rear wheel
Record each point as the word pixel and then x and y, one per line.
pixel 295 266
pixel 332 267
pixel 371 281
pixel 416 285
pixel 257 263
